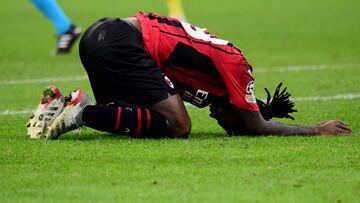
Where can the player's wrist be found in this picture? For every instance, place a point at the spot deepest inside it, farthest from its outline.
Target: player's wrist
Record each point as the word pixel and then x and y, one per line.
pixel 316 130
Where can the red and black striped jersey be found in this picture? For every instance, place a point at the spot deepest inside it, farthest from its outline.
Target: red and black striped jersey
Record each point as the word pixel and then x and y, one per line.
pixel 197 62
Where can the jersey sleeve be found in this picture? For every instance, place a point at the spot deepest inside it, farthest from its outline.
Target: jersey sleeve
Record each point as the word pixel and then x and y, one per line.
pixel 240 85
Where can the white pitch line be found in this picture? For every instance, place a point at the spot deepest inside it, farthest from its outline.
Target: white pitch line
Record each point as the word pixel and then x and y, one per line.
pixel 44 80
pixel 10 113
pixel 293 68
pixel 296 68
pixel 349 96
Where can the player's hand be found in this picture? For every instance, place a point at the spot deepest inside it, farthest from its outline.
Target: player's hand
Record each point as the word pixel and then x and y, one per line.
pixel 334 127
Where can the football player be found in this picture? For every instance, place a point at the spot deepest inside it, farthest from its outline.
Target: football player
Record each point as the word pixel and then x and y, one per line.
pixel 142 68
pixel 67 32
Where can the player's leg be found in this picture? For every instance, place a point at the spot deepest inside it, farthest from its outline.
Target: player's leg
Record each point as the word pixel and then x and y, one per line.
pixel 144 102
pixel 52 10
pixel 66 31
pixel 153 122
pixel 176 9
pixel 174 111
pixel 121 72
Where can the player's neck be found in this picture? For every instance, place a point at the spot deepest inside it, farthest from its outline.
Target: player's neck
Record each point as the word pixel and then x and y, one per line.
pixel 134 22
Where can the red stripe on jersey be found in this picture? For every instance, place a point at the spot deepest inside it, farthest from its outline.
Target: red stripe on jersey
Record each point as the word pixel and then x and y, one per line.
pixel 138 131
pixel 148 118
pixel 161 36
pixel 118 119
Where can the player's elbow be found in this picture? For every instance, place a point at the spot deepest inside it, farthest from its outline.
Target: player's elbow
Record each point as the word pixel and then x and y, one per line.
pixel 258 128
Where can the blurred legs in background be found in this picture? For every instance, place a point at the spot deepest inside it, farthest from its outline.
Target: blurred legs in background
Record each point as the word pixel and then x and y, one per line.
pixel 176 9
pixel 66 31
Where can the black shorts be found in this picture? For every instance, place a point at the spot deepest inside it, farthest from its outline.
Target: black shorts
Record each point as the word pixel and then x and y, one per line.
pixel 120 70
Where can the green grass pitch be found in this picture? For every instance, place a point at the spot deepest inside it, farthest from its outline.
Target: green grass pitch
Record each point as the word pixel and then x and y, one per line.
pixel 318 39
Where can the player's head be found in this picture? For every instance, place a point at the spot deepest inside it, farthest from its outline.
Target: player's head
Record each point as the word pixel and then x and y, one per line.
pixel 229 117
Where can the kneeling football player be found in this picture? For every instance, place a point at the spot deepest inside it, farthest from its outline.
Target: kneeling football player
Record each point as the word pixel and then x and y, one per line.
pixel 142 68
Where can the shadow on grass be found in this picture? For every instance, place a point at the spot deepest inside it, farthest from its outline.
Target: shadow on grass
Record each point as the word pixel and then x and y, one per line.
pixel 98 136
pixel 93 136
pixel 208 135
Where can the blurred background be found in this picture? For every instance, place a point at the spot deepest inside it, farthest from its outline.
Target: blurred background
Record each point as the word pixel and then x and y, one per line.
pixel 271 33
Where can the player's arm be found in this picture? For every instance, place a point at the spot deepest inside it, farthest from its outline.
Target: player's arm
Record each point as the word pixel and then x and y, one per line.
pixel 238 121
pixel 244 122
pixel 254 123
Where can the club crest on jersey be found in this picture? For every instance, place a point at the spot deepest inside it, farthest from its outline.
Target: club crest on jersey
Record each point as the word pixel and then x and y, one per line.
pixel 168 81
pixel 250 88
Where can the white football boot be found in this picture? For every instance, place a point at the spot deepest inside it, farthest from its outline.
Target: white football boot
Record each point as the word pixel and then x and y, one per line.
pixel 71 117
pixel 51 105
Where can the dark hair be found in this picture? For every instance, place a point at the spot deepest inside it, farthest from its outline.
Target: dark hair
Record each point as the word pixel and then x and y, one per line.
pixel 278 106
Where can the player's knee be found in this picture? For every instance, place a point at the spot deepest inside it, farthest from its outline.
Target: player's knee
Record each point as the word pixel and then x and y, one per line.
pixel 181 128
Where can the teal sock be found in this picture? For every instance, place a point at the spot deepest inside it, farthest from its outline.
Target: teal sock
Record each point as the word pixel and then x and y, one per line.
pixel 52 10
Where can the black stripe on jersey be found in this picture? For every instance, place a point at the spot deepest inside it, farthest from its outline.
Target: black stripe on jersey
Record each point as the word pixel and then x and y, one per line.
pixel 215 47
pixel 187 57
pixel 164 20
pixel 199 42
pixel 220 85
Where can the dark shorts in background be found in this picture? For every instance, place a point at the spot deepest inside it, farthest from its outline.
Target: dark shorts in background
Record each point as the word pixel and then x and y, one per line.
pixel 119 69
